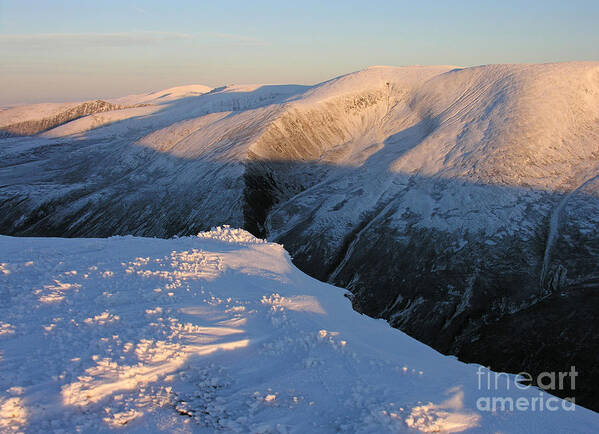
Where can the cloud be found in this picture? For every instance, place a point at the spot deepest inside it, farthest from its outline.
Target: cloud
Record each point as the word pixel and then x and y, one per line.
pixel 235 39
pixel 60 40
pixel 47 41
pixel 140 10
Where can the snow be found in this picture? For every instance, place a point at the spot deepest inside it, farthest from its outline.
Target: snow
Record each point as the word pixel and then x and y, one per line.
pixel 164 95
pixel 554 225
pixel 28 112
pixel 509 124
pixel 133 106
pixel 96 120
pixel 494 124
pixel 374 77
pixel 462 149
pixel 155 110
pixel 218 331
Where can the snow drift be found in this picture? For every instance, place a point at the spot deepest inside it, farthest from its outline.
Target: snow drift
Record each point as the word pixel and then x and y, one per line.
pixel 220 332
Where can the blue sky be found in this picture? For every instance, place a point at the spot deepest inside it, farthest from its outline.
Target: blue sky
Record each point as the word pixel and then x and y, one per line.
pixel 67 50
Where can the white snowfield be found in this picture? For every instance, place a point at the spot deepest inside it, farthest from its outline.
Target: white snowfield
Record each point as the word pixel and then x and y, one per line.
pixel 221 332
pixel 517 125
pixel 370 134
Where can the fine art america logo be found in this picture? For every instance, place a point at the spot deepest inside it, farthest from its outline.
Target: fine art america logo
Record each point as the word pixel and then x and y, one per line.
pixel 548 381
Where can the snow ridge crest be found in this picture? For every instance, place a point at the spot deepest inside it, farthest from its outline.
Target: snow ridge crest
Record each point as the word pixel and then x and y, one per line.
pixel 229 235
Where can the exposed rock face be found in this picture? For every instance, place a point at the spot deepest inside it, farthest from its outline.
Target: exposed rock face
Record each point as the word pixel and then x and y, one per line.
pixel 460 205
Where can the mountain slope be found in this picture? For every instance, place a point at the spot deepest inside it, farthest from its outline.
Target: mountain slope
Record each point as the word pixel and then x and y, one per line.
pixel 452 202
pixel 222 332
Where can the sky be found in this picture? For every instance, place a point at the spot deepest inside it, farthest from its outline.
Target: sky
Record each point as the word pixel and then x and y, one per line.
pixel 67 50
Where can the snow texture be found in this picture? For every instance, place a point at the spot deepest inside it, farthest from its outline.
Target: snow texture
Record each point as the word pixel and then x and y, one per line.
pixel 218 332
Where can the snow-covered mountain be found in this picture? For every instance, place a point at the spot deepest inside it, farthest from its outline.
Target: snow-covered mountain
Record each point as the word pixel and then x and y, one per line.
pixel 459 204
pixel 222 332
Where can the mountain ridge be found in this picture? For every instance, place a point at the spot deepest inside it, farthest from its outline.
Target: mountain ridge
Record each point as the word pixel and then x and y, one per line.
pixel 447 200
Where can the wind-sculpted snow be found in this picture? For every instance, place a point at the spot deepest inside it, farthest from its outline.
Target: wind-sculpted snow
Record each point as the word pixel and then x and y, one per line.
pixel 452 202
pixel 220 332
